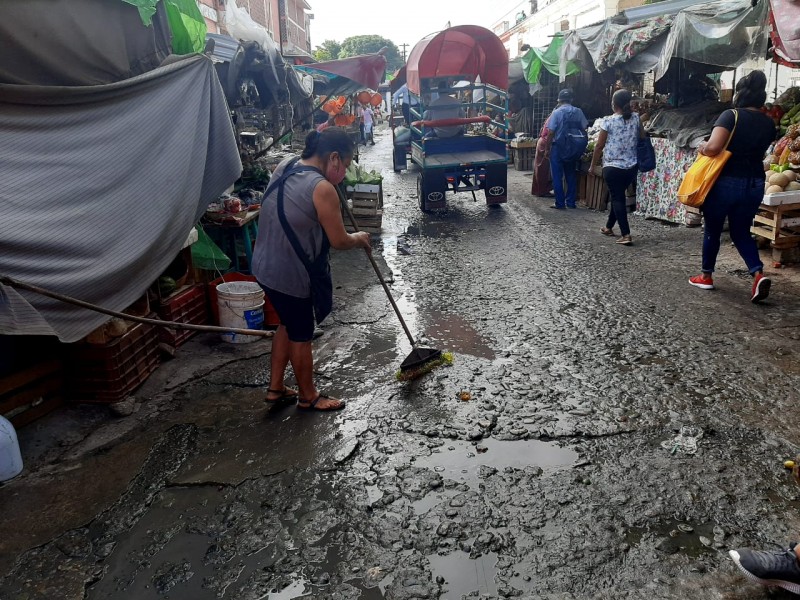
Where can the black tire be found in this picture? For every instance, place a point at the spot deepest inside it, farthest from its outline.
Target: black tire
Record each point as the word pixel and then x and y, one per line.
pixel 421 198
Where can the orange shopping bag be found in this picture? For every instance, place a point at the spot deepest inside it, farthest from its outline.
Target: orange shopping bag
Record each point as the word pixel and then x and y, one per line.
pixel 703 173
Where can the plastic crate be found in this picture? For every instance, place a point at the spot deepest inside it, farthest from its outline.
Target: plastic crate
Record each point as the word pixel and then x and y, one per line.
pixel 188 305
pixel 110 372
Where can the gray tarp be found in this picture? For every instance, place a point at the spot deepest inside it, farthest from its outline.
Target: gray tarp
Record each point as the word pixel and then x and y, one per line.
pixel 101 186
pixel 724 33
pixel 635 46
pixel 78 42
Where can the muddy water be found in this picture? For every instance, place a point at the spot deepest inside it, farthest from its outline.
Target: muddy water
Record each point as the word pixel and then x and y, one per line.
pixel 550 481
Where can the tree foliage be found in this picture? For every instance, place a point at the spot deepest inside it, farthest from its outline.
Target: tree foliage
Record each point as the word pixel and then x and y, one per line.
pixel 370 44
pixel 328 50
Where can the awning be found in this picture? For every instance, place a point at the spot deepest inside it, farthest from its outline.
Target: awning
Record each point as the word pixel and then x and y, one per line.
pixel 784 20
pixel 535 59
pixel 114 196
pixel 608 45
pixel 79 42
pixel 347 75
pixel 464 52
pixel 722 34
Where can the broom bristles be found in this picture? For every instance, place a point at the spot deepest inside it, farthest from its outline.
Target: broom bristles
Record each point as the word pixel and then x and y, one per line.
pixel 445 360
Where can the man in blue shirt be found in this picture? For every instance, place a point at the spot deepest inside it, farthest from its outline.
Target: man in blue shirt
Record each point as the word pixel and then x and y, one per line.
pixel 567 133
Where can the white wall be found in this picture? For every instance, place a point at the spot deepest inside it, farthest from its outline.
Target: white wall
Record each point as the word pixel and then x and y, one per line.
pixel 543 24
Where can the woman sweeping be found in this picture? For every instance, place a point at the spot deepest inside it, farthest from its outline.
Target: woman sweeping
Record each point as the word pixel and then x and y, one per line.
pixel 542 178
pixel 300 220
pixel 739 189
pixel 617 145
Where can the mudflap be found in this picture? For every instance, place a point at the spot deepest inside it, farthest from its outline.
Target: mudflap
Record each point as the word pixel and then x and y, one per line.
pixel 496 184
pixel 399 161
pixel 431 189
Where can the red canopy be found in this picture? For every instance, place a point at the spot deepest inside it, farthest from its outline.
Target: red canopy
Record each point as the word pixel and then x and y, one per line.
pixel 465 51
pixel 784 21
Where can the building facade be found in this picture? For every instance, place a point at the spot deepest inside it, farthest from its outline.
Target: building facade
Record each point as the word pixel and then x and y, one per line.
pixel 287 21
pixel 535 22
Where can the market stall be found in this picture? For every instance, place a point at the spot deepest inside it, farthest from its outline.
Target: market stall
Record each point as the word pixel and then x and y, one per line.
pixel 685 48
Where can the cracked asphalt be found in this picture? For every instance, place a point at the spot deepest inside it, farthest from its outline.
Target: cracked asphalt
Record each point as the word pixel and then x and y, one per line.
pixel 562 476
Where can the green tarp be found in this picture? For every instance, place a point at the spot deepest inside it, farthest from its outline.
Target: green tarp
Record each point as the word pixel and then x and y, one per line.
pixel 186 23
pixel 536 58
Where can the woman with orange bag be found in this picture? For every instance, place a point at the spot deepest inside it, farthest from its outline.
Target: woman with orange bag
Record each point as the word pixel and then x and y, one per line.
pixel 739 189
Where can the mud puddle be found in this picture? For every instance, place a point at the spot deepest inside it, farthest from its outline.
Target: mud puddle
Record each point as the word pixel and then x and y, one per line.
pixel 452 331
pixel 462 460
pixel 464 575
pixel 296 589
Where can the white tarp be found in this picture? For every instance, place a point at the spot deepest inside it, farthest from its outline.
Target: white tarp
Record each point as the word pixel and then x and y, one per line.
pixel 101 185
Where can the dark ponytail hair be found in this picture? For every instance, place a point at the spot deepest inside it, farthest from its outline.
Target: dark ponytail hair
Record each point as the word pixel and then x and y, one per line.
pixel 751 90
pixel 330 139
pixel 622 100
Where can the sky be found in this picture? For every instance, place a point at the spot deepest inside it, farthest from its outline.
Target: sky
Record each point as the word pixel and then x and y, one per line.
pixel 402 21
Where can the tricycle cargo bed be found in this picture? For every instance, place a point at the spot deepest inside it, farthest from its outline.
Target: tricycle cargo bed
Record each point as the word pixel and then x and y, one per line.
pixel 458 151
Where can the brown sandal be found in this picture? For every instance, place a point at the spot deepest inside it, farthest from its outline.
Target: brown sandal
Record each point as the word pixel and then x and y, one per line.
pixel 313 404
pixel 285 396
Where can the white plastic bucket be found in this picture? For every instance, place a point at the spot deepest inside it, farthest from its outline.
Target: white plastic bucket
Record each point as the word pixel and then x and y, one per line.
pixel 10 457
pixel 241 305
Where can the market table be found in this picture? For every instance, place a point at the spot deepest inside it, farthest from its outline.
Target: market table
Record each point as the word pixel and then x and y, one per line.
pixel 657 191
pixel 227 232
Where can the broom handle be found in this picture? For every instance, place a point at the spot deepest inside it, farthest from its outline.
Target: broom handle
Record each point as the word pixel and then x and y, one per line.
pixel 343 202
pixel 158 322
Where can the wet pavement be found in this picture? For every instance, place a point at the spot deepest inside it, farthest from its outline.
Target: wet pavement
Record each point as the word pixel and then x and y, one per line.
pixel 547 462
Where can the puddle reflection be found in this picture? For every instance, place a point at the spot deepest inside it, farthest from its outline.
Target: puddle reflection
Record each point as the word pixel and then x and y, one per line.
pixel 463 462
pixel 463 574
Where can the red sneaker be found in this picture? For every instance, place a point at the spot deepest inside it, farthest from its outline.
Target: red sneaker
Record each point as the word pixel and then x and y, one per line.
pixel 703 281
pixel 761 287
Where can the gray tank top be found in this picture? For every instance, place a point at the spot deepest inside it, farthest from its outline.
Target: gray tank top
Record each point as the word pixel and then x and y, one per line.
pixel 275 263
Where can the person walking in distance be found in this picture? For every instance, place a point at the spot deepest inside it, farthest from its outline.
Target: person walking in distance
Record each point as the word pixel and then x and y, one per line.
pixel 300 220
pixel 739 189
pixel 616 144
pixel 566 142
pixel 368 121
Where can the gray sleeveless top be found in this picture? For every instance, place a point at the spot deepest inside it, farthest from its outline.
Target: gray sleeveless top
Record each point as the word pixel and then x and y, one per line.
pixel 275 263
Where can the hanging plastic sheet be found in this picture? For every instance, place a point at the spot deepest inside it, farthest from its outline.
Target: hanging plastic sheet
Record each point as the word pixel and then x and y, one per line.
pixel 79 42
pixel 346 75
pixel 548 58
pixel 721 34
pixel 785 31
pixel 635 46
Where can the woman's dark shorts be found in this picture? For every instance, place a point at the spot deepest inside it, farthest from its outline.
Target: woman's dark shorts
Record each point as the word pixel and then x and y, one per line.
pixel 296 314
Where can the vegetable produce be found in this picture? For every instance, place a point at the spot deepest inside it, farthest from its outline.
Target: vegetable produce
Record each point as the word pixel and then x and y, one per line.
pixel 779 179
pixel 774 189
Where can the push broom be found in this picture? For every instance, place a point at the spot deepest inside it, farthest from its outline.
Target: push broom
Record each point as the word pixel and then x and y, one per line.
pixel 420 360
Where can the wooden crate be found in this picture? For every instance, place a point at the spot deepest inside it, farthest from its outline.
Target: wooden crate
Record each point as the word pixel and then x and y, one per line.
pixel 367 208
pixel 780 225
pixel 32 392
pixel 523 159
pixel 592 191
